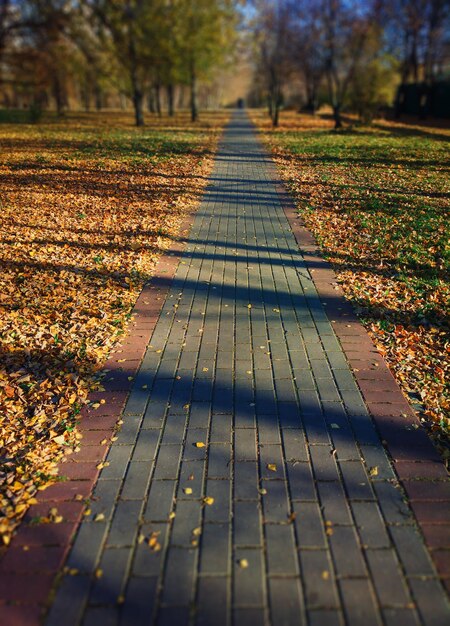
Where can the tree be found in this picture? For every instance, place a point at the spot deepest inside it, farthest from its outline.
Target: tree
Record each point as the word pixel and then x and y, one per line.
pixel 274 42
pixel 204 33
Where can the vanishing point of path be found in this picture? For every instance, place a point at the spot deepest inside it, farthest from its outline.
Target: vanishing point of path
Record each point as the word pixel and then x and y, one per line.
pixel 248 484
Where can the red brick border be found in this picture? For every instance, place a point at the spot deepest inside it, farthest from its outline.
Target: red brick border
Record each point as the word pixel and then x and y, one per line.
pixel 416 461
pixel 29 566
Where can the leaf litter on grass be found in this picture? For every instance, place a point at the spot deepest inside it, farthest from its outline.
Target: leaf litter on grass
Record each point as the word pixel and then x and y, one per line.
pixel 88 205
pixel 377 200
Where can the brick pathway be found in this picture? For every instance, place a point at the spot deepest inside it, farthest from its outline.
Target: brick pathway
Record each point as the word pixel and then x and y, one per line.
pixel 248 484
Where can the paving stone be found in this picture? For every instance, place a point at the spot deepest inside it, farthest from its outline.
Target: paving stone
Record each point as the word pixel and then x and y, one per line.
pixel 411 550
pixel 370 525
pixel 246 484
pixel 246 616
pixel 179 577
pixel 124 523
pixel 309 525
pixel 140 602
pixel 346 552
pixel 387 576
pixel 188 515
pixel 136 480
pixel 215 549
pixel 247 523
pixel 280 547
pixel 70 601
pixel 213 601
pixel 160 500
pixel 431 603
pixel 286 602
pixel 320 588
pixel 114 567
pixel 249 582
pixel 324 465
pixel 357 612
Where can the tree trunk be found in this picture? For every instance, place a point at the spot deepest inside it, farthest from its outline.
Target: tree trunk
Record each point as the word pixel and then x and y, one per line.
pixel 158 99
pixel 170 100
pixel 58 95
pixel 138 100
pixel 151 101
pixel 98 96
pixel 337 116
pixel 194 109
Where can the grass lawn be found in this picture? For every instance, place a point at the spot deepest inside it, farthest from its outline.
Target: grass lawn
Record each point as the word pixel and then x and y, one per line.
pixel 87 205
pixel 377 200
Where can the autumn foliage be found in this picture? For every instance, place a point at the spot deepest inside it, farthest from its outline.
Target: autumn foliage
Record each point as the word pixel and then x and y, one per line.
pixel 87 204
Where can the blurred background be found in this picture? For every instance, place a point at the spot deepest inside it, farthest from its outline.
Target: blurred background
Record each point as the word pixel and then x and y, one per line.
pixel 368 57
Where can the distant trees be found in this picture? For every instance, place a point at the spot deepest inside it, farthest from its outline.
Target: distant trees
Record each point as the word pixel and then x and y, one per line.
pixel 133 47
pixel 349 51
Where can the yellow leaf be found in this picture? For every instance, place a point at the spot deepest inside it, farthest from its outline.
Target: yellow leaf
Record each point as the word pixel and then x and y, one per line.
pixel 208 500
pixel 187 491
pixel 243 563
pixel 199 444
pixel 272 467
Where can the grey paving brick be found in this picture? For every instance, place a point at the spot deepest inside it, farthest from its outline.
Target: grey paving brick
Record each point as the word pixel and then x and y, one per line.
pixel 215 549
pixel 271 461
pixel 276 506
pixel 124 523
pixel 246 616
pixel 431 603
pixel 249 583
pixel 104 498
pixel 118 459
pixel 356 480
pixel 148 561
pixel 140 602
pixel 109 616
pixel 401 617
pixel 246 480
pixel 70 601
pixel 392 503
pixel 168 461
pixel 377 461
pixel 178 587
pixel 219 460
pixel 114 567
pixel 191 476
pixel 334 504
pixel 136 480
pixel 300 481
pixel 244 444
pixel 346 552
pixel 160 500
pixel 280 546
pixel 411 550
pixel 389 583
pixel 322 617
pixel 294 445
pixel 170 615
pixel 146 444
pixel 187 519
pixel 247 523
pixel 357 612
pixel 370 525
pixel 318 576
pixel 213 602
pixel 286 602
pixel 309 525
pixel 323 462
